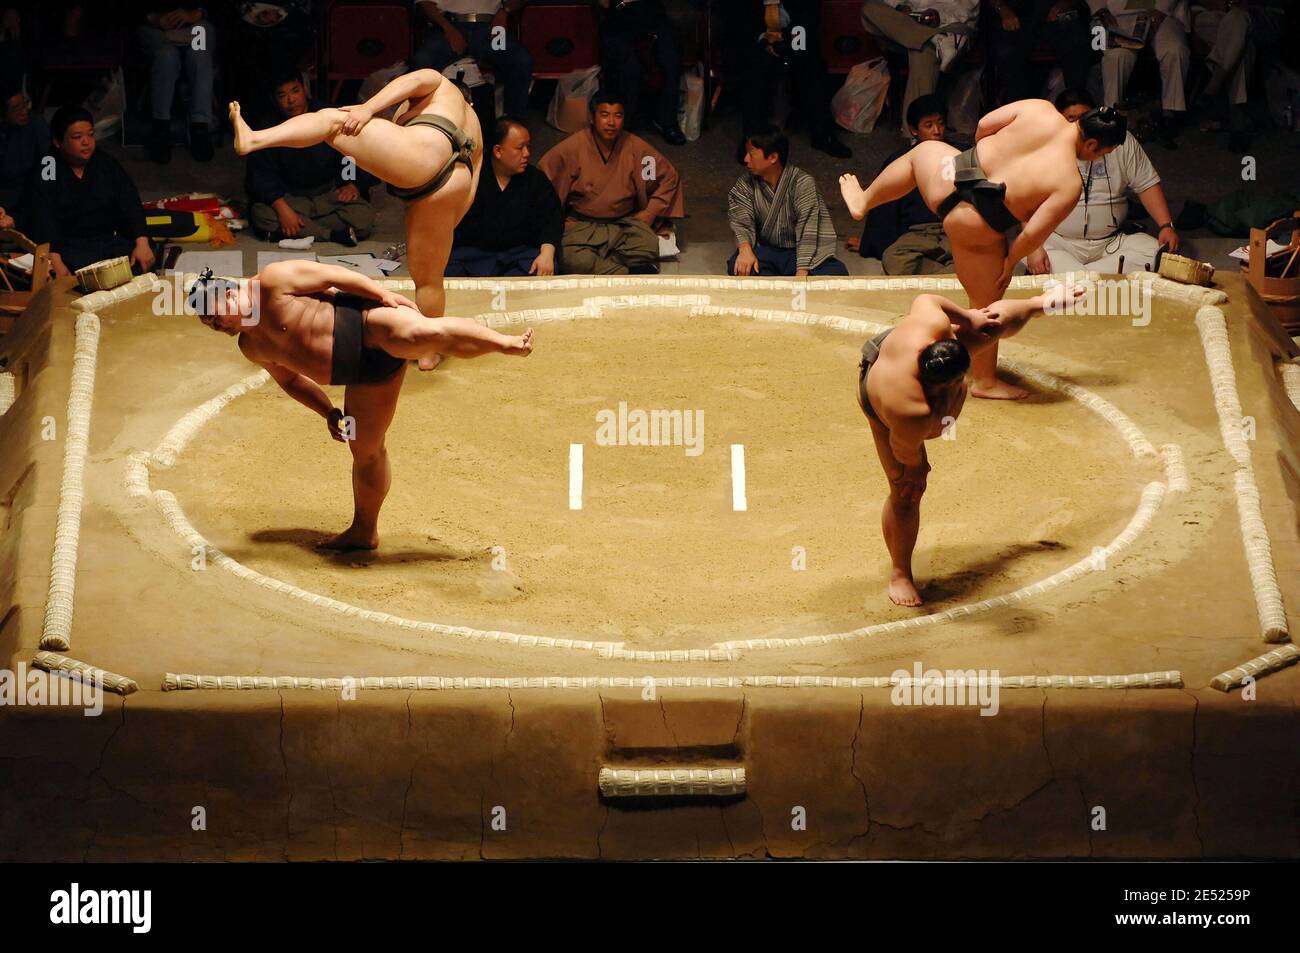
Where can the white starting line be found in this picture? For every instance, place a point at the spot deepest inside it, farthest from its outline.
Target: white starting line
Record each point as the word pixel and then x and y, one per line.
pixel 739 502
pixel 575 476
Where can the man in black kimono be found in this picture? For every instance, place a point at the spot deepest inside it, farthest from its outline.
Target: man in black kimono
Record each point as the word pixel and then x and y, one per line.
pixel 515 224
pixel 84 204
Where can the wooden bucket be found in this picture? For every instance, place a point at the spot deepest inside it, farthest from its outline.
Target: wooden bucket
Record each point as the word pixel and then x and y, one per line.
pixel 1277 278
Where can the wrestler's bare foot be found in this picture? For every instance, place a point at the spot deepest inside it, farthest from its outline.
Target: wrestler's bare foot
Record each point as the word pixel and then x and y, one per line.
pixel 521 346
pixel 351 538
pixel 243 134
pixel 902 591
pixel 429 363
pixel 855 197
pixel 997 390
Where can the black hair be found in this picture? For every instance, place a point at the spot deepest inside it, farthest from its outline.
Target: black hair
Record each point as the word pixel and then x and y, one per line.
pixel 1074 96
pixel 606 97
pixel 66 117
pixel 280 74
pixel 501 128
pixel 944 361
pixel 922 106
pixel 206 297
pixel 1107 125
pixel 770 140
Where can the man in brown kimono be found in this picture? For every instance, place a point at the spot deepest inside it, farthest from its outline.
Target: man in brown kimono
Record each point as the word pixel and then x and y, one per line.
pixel 617 190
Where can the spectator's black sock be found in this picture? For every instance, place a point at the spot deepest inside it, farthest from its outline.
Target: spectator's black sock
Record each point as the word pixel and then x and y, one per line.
pixel 160 141
pixel 344 236
pixel 826 141
pixel 201 142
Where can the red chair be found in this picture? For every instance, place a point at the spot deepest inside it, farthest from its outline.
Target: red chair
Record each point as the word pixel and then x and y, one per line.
pixel 361 38
pixel 561 38
pixel 845 43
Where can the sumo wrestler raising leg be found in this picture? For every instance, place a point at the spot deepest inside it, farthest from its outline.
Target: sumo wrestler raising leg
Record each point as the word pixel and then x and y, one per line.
pixel 430 155
pixel 1021 174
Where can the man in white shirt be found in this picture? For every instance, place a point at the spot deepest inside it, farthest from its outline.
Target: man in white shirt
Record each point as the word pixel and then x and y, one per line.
pixel 1134 24
pixel 466 27
pixel 933 32
pixel 1091 237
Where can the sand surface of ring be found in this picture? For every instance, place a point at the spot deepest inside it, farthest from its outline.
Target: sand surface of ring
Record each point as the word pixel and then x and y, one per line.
pixel 477 529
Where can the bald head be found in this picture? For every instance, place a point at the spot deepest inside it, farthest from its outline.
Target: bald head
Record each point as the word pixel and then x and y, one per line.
pixel 511 147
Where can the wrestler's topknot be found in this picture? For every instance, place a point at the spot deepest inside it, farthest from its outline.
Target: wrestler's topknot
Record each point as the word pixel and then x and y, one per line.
pixel 943 361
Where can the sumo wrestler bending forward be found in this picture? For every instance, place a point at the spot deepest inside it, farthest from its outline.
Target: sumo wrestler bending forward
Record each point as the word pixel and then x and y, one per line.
pixel 310 324
pixel 911 385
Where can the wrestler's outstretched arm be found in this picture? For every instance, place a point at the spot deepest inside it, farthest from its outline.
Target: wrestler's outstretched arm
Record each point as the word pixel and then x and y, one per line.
pixel 1042 223
pixel 306 392
pixel 414 85
pixel 1012 314
pixel 991 122
pixel 312 277
pixel 974 325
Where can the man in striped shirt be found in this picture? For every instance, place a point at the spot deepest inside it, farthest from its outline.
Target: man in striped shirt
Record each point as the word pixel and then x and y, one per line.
pixel 781 224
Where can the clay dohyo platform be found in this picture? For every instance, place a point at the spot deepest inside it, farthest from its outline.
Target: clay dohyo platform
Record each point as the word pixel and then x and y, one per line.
pixel 658 673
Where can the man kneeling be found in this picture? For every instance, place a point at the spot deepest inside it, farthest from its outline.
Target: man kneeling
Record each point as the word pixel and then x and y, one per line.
pixel 912 385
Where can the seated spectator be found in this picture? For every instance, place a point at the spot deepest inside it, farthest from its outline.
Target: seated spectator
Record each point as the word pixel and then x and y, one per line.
pixel 1093 237
pixel 781 224
pixel 316 191
pixel 771 53
pixel 168 35
pixel 626 22
pixel 904 234
pixel 934 37
pixel 464 27
pixel 1017 26
pixel 11 47
pixel 616 190
pixel 88 209
pixel 1164 31
pixel 269 38
pixel 1228 27
pixel 515 225
pixel 24 140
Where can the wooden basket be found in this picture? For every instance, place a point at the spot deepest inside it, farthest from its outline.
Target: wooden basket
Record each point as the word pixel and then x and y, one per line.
pixel 1269 274
pixel 104 275
pixel 1187 270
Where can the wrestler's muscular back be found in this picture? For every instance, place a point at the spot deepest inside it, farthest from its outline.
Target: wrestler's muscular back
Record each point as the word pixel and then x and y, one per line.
pixel 430 221
pixel 1034 155
pixel 895 390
